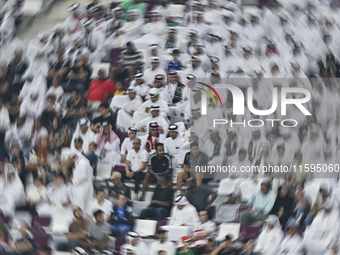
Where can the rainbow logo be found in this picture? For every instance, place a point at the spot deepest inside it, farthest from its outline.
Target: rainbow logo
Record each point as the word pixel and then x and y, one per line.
pixel 208 92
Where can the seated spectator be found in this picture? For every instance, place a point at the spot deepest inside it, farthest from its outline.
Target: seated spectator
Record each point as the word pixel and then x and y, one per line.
pixel 248 247
pixel 185 247
pixel 56 89
pixel 59 136
pixel 79 75
pixel 84 132
pixel 154 136
pixel 99 231
pixel 172 144
pixel 93 157
pixel 119 187
pixel 198 195
pixel 35 195
pixel 193 158
pixel 300 208
pixel 73 107
pixel 159 163
pixel 100 203
pixel 271 237
pixel 9 200
pixel 14 106
pixel 133 4
pixel 16 157
pixel 134 244
pixel 76 235
pixel 101 89
pixel 119 89
pixel 167 247
pixel 131 60
pixel 323 229
pixel 121 217
pixel 105 116
pixel 125 114
pixel 52 109
pixel 292 243
pixel 59 69
pixel 259 204
pixel 135 166
pixel 161 201
pixel 324 195
pixel 204 230
pixel 127 144
pixel 226 248
pixel 183 213
pixel 175 64
pixel 283 204
pixel 17 67
pixel 26 244
pixel 107 144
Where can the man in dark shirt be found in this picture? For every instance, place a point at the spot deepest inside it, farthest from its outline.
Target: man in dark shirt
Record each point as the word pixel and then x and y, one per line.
pixel 161 201
pixel 198 195
pixel 60 67
pixel 73 106
pixel 76 235
pixel 105 116
pixel 194 158
pixel 159 163
pixel 226 248
pixel 119 187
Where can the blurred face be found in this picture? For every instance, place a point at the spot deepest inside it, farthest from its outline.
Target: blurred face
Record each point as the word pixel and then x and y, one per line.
pixel 75 95
pixel 155 113
pixel 119 86
pixel 132 95
pixel 15 149
pixel 195 64
pixel 173 79
pixel 153 131
pixel 270 225
pixel 133 17
pixel 154 52
pixel 283 191
pixel 281 151
pixel 37 124
pixel 37 183
pixel 292 231
pixel 246 54
pixel 241 156
pixel 173 134
pixel 196 115
pixel 101 75
pixel 162 237
pixel 106 130
pixel 78 145
pixel 154 99
pixel 84 128
pixel 100 218
pixel 154 65
pixel 194 150
pixel 129 49
pixel 134 242
pixel 187 244
pixel 136 144
pixel 77 213
pixel 264 188
pixel 132 135
pixel 122 200
pixel 160 151
pixel 103 111
pixel 100 196
pixel 299 195
pixel 203 216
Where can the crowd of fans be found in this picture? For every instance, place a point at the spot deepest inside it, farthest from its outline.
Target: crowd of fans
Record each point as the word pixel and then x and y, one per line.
pixel 143 118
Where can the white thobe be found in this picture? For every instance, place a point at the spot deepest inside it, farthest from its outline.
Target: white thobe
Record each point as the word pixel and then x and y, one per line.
pixel 292 245
pixel 87 139
pixel 160 120
pixel 167 246
pixel 188 215
pixel 124 120
pixel 173 148
pixel 149 75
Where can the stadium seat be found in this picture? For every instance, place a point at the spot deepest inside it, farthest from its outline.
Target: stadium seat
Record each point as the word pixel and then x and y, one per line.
pixel 97 66
pixel 138 207
pixel 122 136
pixel 114 56
pixel 226 213
pixel 176 10
pixel 175 233
pixel 31 7
pixel 61 223
pixel 251 231
pixel 119 242
pixel 247 188
pixel 120 169
pixel 145 227
pixel 103 171
pixel 23 216
pixel 228 228
pixel 41 222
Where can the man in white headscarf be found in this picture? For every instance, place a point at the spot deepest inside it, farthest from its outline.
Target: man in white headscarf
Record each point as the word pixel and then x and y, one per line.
pixel 134 245
pixel 84 131
pixel 183 213
pixel 172 145
pixel 33 106
pixel 155 117
pixel 268 242
pixel 323 230
pixel 195 68
pixel 73 23
pixel 132 30
pixel 157 27
pixel 10 45
pixel 125 115
pixel 214 147
pixel 292 244
pixel 11 190
pixel 94 40
pixel 82 178
pixel 139 85
pixel 156 69
pixel 314 145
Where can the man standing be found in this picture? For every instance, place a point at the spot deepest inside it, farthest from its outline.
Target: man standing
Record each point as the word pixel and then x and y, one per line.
pixel 260 204
pixel 136 161
pixel 172 145
pixel 161 201
pixel 159 163
pixel 162 245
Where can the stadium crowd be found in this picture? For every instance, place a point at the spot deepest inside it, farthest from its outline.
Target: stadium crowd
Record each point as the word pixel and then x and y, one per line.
pixel 62 123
